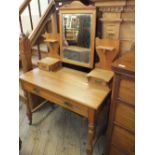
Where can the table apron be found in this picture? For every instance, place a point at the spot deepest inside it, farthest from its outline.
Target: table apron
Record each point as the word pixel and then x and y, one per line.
pixel 57 99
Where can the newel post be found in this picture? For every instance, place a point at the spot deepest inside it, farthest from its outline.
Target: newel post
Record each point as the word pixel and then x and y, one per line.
pixel 25 53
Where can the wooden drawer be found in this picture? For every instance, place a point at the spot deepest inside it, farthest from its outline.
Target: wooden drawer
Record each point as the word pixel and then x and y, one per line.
pixel 64 102
pixel 100 77
pixel 96 81
pixel 115 151
pixel 49 64
pixel 127 91
pixel 123 140
pixel 125 116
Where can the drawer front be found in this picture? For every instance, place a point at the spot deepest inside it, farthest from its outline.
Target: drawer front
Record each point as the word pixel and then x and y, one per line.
pixel 115 151
pixel 66 103
pixel 127 91
pixel 123 140
pixel 43 66
pixel 96 81
pixel 55 66
pixel 125 116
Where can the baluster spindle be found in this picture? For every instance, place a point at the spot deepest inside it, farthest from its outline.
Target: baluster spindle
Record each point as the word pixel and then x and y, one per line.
pixel 39 53
pixel 39 8
pixel 47 30
pixel 21 26
pixel 30 16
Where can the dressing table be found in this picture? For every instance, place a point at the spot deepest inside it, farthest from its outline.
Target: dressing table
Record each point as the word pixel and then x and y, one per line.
pixel 67 87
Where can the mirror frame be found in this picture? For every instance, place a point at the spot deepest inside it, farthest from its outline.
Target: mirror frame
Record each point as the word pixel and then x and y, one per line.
pixel 77 7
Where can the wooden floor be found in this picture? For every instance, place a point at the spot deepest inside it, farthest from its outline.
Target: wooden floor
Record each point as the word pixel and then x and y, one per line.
pixel 55 132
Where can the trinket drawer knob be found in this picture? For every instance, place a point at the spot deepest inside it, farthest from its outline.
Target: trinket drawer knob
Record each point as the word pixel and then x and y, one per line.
pixel 67 104
pixel 98 81
pixel 36 90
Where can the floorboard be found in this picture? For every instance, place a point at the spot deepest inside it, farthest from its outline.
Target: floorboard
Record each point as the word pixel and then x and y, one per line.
pixel 55 132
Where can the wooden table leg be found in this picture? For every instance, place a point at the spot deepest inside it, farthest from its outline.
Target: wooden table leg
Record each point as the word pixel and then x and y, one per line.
pixel 28 107
pixel 91 131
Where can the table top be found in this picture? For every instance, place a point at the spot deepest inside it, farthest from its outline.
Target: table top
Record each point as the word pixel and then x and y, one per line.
pixel 68 83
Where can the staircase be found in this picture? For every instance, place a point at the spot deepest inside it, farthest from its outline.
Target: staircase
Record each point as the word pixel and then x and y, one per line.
pixel 35 18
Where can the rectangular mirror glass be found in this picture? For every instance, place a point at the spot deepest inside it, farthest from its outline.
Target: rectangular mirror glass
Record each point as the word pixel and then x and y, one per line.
pixel 77 34
pixel 76 37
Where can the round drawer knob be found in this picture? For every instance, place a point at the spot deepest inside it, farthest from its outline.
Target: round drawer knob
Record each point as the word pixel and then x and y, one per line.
pixel 36 90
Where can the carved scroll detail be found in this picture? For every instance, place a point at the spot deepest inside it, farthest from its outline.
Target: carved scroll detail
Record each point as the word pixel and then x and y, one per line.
pixel 76 5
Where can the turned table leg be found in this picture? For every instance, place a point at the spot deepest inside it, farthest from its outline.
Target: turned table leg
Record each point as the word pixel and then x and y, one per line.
pixel 28 107
pixel 91 132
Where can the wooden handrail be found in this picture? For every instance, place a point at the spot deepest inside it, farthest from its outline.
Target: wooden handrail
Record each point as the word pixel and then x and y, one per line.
pixel 23 6
pixel 33 37
pixel 43 20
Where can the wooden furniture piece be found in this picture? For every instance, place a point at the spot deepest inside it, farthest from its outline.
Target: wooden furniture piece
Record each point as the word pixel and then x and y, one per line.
pixel 107 50
pixel 49 64
pixel 70 89
pixel 100 77
pixel 25 55
pixel 77 53
pixel 82 18
pixel 121 129
pixel 53 42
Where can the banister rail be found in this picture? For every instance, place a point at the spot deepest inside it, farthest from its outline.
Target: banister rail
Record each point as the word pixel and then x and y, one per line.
pixel 36 32
pixel 26 4
pixel 43 20
pixel 23 6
